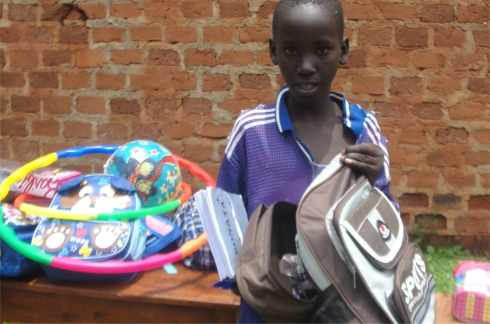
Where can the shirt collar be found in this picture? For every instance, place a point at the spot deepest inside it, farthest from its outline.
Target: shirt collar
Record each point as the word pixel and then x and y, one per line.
pixel 282 116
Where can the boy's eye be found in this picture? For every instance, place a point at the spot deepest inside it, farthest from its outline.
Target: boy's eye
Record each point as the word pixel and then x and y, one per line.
pixel 323 50
pixel 290 50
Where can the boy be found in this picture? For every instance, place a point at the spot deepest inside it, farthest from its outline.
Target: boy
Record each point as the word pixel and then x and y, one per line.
pixel 274 152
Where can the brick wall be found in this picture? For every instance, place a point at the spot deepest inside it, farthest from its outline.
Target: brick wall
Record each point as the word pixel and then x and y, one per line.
pixel 178 72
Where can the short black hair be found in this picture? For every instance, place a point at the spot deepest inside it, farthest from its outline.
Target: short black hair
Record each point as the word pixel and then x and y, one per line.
pixel 287 4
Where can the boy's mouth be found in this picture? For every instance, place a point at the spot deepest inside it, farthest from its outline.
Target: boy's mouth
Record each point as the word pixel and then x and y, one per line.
pixel 306 87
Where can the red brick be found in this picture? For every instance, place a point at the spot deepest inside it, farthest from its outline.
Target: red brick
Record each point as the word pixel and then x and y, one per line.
pixel 428 111
pixel 25 150
pixel 24 58
pixel 10 34
pixel 93 10
pixel 398 11
pixel 411 37
pixel 166 9
pixel 451 136
pixel 479 202
pixel 447 201
pixel 3 105
pixel 482 136
pixel 403 157
pixel 255 81
pixel 185 34
pixel 234 9
pixel 236 58
pixel 77 130
pixel 444 85
pixel 198 153
pixel 218 34
pixel 180 131
pixel 90 105
pixel 388 58
pixel 56 57
pixel 13 127
pixel 197 8
pixel 357 59
pixel 216 82
pixel 449 38
pixel 485 180
pixel 414 200
pixel 437 13
pixel 477 158
pixel 121 106
pixel 264 58
pixel 125 10
pixel 195 57
pixel 108 34
pixel 23 12
pixel 405 86
pixel 26 104
pixel 126 57
pixel 470 225
pixel 184 81
pixel 255 34
pixel 73 35
pixel 12 79
pixel 473 14
pixel 479 85
pixel 368 36
pixel 197 106
pixel 237 105
pixel 458 179
pixel 105 81
pixel 472 62
pixel 390 109
pixel 212 130
pixel 360 12
pixel 373 85
pixel 111 132
pixel 482 38
pixel 160 106
pixel 450 156
pixel 150 132
pixel 55 12
pixel 74 81
pixel 266 10
pixel 163 57
pixel 90 58
pixel 57 104
pixel 44 80
pixel 467 111
pixel 422 179
pixel 414 135
pixel 48 127
pixel 146 33
pixel 424 60
pixel 43 35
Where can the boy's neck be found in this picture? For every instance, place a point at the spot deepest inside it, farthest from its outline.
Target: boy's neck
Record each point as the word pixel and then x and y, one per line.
pixel 320 112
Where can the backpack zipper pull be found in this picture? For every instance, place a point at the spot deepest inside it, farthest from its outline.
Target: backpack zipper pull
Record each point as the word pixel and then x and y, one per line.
pixel 354 278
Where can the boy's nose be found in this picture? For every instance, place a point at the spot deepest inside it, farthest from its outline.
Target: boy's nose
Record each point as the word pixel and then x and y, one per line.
pixel 306 65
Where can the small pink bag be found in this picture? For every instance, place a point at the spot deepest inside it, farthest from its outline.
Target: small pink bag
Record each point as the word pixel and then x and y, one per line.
pixel 471 302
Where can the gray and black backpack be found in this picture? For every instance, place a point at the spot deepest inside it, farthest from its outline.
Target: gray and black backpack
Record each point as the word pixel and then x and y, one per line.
pixel 341 255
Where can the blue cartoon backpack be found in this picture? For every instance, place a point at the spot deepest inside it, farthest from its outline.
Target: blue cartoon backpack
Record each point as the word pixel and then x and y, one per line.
pixel 92 241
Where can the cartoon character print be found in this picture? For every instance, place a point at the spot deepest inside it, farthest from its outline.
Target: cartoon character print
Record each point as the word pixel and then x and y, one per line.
pixel 144 175
pixel 88 198
pixel 104 237
pixel 55 237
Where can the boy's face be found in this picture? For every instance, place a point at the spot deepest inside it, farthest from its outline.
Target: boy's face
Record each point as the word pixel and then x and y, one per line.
pixel 308 49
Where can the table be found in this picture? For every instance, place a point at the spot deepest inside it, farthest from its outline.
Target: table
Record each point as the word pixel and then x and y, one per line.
pixel 152 296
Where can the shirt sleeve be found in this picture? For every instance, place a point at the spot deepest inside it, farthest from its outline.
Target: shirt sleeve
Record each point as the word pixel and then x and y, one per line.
pixel 372 134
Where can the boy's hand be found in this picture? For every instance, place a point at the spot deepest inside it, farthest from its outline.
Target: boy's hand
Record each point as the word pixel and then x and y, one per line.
pixel 367 158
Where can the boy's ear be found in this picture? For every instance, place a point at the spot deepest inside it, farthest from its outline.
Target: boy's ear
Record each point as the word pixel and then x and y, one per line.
pixel 272 50
pixel 344 48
